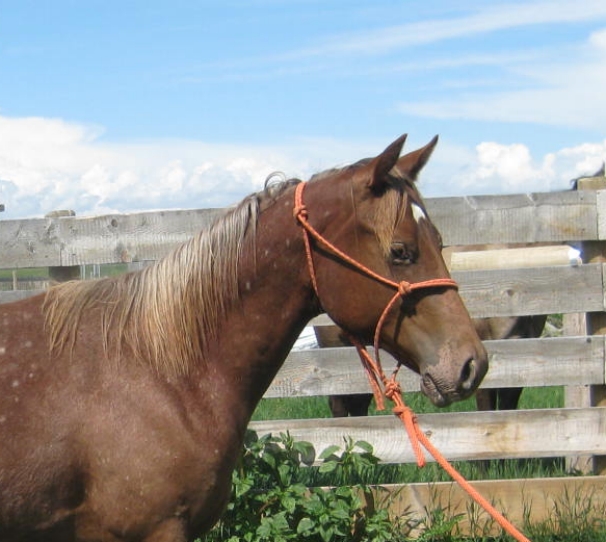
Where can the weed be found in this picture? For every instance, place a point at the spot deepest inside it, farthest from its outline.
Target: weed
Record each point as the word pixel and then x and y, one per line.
pixel 270 503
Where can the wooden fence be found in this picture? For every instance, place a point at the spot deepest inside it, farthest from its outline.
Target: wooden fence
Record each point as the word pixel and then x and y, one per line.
pixel 577 361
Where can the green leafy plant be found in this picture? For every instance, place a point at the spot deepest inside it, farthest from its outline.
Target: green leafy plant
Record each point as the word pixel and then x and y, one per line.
pixel 279 496
pixel 271 501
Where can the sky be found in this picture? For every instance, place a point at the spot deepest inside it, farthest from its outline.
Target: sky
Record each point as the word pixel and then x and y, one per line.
pixel 135 105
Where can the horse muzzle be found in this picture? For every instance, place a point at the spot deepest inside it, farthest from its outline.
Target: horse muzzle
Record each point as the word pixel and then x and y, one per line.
pixel 443 388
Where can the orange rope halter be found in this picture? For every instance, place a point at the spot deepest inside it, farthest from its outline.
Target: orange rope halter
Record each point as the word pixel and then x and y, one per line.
pixel 380 384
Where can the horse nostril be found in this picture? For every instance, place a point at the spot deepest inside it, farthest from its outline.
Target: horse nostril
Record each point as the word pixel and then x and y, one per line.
pixel 468 375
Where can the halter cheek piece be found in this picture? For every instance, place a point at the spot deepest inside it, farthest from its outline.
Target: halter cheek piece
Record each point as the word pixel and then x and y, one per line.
pixel 402 288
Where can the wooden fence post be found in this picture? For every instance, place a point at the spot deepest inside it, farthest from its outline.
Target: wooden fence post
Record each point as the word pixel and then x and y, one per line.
pixel 67 272
pixel 575 325
pixel 595 324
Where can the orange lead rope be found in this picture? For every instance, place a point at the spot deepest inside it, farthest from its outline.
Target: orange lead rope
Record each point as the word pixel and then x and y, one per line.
pixel 390 388
pixel 418 438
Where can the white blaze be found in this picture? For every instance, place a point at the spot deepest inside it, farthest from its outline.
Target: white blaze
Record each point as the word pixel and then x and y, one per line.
pixel 417 212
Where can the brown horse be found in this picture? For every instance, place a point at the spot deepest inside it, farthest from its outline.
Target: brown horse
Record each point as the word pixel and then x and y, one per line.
pixel 124 401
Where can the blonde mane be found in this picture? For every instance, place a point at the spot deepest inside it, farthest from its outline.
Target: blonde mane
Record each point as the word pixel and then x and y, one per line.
pixel 168 313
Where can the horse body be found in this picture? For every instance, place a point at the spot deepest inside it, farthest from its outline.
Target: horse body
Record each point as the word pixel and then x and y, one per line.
pixel 106 455
pixel 124 454
pixel 124 401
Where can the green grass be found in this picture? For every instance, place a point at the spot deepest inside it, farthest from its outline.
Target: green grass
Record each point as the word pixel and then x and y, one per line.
pixel 317 407
pixel 41 273
pixel 34 273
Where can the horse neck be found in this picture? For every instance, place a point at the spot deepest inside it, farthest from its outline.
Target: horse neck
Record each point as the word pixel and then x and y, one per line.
pixel 276 302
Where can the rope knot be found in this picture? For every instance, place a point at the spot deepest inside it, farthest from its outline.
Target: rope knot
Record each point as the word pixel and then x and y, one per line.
pixel 392 389
pixel 300 212
pixel 404 288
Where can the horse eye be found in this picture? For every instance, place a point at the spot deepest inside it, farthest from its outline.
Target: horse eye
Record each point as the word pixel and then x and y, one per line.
pixel 401 255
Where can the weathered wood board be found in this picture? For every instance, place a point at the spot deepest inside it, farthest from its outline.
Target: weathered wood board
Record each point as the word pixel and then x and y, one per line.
pixel 575 500
pixel 513 362
pixel 461 435
pixel 521 218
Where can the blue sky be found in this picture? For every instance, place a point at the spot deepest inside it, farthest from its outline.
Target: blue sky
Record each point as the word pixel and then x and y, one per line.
pixel 122 106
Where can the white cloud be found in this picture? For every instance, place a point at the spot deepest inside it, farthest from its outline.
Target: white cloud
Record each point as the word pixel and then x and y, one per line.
pixel 565 90
pixel 49 164
pixel 510 162
pixel 494 168
pixel 489 17
pixel 598 40
pixel 334 52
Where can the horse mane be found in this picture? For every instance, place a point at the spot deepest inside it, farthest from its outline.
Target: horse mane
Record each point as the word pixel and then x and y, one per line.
pixel 167 313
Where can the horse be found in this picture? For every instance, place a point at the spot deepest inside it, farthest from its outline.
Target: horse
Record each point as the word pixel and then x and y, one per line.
pixel 124 401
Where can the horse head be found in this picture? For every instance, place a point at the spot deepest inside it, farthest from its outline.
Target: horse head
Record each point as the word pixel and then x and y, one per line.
pixel 377 268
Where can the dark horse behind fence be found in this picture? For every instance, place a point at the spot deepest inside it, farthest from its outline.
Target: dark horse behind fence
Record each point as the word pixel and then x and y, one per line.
pixel 124 401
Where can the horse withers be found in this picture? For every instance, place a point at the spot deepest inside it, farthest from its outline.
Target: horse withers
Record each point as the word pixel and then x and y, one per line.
pixel 124 401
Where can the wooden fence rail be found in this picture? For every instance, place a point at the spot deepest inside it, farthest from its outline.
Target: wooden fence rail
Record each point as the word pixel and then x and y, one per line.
pixel 66 241
pixel 575 217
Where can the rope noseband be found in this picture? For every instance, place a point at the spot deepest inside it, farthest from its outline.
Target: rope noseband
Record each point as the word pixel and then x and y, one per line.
pixel 380 384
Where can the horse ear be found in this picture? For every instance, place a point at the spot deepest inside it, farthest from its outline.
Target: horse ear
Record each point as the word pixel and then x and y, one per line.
pixel 384 163
pixel 412 163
